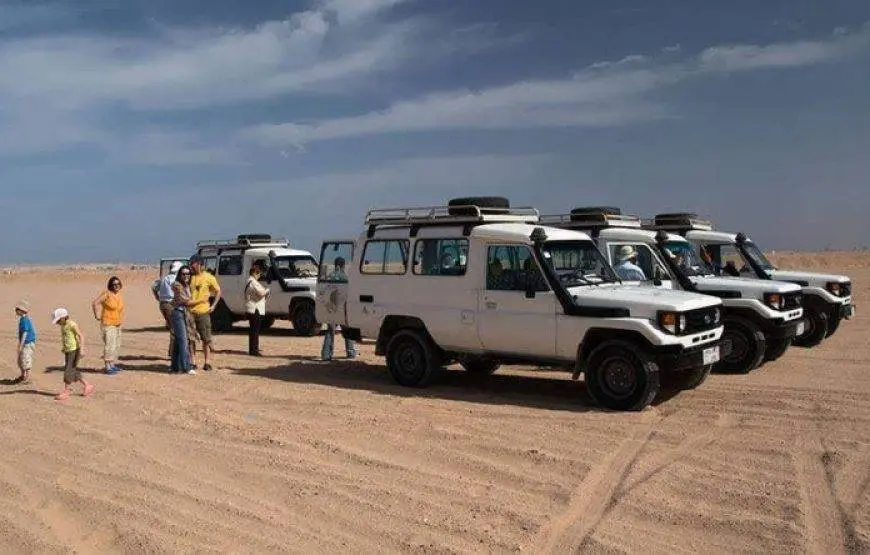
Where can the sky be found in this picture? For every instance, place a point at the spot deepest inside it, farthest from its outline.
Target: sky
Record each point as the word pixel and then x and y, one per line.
pixel 130 130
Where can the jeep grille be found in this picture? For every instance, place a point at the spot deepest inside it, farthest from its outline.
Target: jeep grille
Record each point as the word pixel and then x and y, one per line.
pixel 701 319
pixel 846 289
pixel 791 301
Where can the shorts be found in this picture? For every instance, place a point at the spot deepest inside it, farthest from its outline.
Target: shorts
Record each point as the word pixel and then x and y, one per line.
pixel 25 357
pixel 203 326
pixel 111 343
pixel 71 372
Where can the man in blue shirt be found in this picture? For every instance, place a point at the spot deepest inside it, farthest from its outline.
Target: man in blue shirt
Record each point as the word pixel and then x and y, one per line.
pixel 26 341
pixel 625 267
pixel 162 290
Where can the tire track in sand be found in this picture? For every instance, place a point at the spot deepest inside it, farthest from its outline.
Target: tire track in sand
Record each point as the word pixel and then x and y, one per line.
pixel 597 493
pixel 824 524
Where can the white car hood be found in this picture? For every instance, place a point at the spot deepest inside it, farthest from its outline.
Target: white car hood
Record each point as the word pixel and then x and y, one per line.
pixel 749 288
pixel 814 279
pixel 642 302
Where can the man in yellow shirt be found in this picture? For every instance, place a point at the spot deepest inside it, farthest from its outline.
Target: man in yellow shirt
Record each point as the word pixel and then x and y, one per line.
pixel 203 286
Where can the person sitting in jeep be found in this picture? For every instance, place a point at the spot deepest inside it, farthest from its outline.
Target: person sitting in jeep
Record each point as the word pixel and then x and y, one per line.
pixel 626 267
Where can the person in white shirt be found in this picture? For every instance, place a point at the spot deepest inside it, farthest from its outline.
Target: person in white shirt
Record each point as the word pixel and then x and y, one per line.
pixel 625 267
pixel 162 289
pixel 255 307
pixel 337 275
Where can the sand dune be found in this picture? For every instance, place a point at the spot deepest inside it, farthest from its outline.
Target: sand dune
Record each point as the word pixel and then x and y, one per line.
pixel 283 454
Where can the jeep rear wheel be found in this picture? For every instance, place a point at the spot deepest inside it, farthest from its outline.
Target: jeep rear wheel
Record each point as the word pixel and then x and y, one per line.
pixel 304 321
pixel 480 366
pixel 619 376
pixel 747 347
pixel 267 322
pixel 222 319
pixel 412 359
pixel 816 328
pixel 776 348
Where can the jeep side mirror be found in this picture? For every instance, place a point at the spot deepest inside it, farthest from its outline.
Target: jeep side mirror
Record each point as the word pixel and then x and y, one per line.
pixel 530 286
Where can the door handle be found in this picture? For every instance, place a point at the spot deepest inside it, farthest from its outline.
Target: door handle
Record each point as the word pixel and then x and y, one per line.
pixel 491 305
pixel 366 298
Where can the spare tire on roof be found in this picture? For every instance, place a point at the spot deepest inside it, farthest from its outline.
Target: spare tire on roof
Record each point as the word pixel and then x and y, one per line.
pixel 487 205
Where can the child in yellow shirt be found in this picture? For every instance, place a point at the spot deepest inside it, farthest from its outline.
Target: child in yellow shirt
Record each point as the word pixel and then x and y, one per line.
pixel 71 341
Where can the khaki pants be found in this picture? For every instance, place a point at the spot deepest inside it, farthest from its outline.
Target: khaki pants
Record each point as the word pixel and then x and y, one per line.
pixel 25 357
pixel 111 343
pixel 166 311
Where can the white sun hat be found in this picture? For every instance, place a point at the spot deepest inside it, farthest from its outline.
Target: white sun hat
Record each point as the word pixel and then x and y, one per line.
pixel 626 252
pixel 58 315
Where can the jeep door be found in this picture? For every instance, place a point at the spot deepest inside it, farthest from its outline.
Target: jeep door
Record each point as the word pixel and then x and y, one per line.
pixel 230 275
pixel 517 309
pixel 332 282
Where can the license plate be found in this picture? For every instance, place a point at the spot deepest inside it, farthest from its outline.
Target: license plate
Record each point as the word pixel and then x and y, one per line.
pixel 711 355
pixel 800 328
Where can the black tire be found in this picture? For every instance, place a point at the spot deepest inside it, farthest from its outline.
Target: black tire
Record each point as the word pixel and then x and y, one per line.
pixel 304 320
pixel 833 321
pixel 747 347
pixel 222 319
pixel 267 322
pixel 412 359
pixel 494 204
pixel 816 322
pixel 609 210
pixel 689 379
pixel 620 376
pixel 776 348
pixel 479 366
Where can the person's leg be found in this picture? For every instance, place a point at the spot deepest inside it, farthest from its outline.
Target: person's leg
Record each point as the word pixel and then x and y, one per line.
pixel 179 336
pixel 254 343
pixel 70 374
pixel 166 310
pixel 328 343
pixel 105 334
pixel 25 362
pixel 349 347
pixel 203 326
pixel 192 336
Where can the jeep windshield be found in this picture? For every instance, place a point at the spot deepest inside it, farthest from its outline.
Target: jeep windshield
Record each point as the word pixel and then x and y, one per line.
pixel 751 250
pixel 289 267
pixel 577 263
pixel 686 259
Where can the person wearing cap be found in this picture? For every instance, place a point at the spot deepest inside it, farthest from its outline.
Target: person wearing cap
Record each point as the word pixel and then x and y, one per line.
pixel 626 267
pixel 164 294
pixel 108 310
pixel 71 346
pixel 26 341
pixel 203 288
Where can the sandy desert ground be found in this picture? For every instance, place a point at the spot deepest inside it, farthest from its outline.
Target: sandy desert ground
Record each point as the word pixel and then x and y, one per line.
pixel 284 454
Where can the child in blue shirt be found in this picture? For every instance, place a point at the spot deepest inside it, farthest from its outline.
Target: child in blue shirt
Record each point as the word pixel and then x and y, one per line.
pixel 26 341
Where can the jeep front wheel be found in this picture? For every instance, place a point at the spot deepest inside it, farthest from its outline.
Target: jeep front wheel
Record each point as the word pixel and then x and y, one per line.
pixel 479 366
pixel 692 378
pixel 411 359
pixel 747 347
pixel 776 348
pixel 619 376
pixel 816 328
pixel 304 321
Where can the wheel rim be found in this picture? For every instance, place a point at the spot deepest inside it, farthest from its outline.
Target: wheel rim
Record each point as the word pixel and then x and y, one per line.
pixel 618 378
pixel 304 319
pixel 408 361
pixel 809 328
pixel 739 346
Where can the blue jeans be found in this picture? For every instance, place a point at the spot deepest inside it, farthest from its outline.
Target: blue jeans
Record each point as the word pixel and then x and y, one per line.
pixel 329 342
pixel 180 354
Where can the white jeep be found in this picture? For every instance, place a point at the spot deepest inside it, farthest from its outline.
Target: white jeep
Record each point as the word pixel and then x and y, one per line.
pixel 761 317
pixel 483 284
pixel 827 298
pixel 291 275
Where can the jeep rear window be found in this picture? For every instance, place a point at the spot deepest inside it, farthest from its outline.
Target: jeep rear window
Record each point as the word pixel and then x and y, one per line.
pixel 388 257
pixel 440 257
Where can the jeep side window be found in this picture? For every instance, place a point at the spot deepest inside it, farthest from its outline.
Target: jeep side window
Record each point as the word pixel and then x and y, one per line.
pixel 230 265
pixel 646 260
pixel 509 267
pixel 385 257
pixel 328 256
pixel 731 261
pixel 440 257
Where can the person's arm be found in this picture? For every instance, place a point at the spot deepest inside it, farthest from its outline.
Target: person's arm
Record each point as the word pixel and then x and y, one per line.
pixel 217 295
pixel 96 304
pixel 23 339
pixel 79 338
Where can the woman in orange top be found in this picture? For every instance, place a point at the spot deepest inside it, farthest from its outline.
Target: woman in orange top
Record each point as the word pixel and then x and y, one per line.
pixel 109 310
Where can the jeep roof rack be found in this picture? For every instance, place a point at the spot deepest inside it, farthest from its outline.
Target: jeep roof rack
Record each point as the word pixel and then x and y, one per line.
pixel 682 221
pixel 244 241
pixel 467 215
pixel 591 217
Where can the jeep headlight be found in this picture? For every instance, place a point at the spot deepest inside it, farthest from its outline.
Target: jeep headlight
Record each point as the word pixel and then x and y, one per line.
pixel 717 315
pixel 774 300
pixel 834 288
pixel 671 321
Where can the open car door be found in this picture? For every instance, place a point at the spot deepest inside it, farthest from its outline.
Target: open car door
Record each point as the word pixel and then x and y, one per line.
pixel 336 258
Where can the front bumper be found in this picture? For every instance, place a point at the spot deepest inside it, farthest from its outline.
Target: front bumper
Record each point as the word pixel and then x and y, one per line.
pixel 670 360
pixel 784 330
pixel 847 311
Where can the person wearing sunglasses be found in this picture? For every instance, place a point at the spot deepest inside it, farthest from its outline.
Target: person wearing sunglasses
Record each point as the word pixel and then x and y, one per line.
pixel 181 321
pixel 108 309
